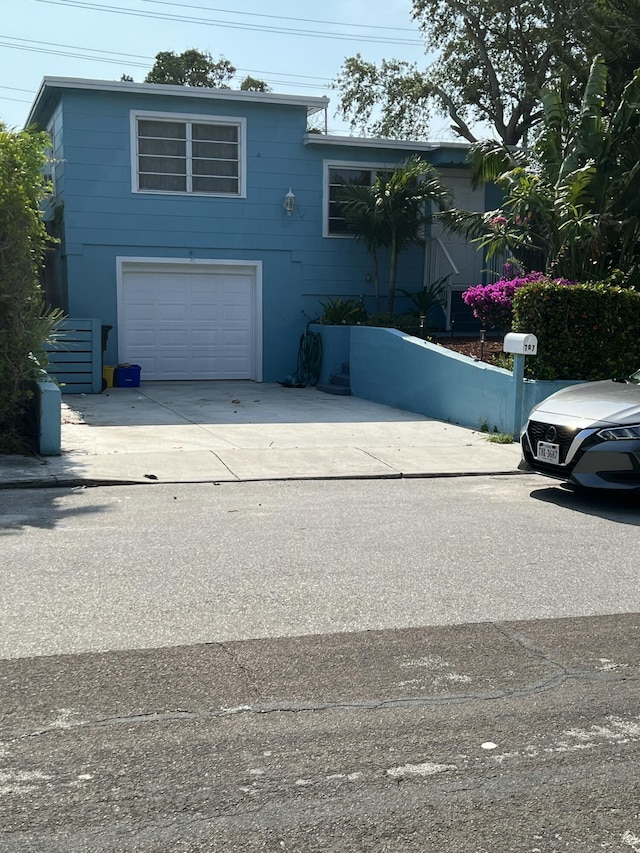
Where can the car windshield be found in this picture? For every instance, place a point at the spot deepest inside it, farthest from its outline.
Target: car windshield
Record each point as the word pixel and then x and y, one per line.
pixel 635 378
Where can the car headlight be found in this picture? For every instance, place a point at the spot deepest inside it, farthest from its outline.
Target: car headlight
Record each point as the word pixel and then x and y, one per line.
pixel 615 433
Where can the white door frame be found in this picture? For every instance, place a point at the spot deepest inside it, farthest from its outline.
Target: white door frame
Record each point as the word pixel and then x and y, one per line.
pixel 123 263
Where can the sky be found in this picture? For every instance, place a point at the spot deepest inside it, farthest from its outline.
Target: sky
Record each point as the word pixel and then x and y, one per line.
pixel 296 47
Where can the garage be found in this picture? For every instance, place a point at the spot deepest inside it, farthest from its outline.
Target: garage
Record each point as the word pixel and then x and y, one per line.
pixel 193 320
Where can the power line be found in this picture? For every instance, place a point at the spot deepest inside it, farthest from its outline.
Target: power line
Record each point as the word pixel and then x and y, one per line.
pixel 96 7
pixel 280 17
pixel 16 89
pixel 16 100
pixel 129 60
pixel 44 50
pixel 123 56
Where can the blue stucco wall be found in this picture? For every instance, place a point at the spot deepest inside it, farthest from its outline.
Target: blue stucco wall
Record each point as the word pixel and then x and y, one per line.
pixel 399 370
pixel 336 349
pixel 536 390
pixel 104 219
pixel 49 417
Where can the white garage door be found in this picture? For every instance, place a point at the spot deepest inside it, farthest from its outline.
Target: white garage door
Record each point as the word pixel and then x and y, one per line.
pixel 181 321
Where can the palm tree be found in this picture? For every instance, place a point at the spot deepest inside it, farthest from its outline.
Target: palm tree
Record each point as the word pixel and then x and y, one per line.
pixel 358 206
pixel 392 213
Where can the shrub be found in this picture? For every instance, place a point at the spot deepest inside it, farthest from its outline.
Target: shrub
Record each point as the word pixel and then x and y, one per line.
pixel 432 295
pixel 588 331
pixel 493 303
pixel 624 278
pixel 342 312
pixel 407 323
pixel 24 322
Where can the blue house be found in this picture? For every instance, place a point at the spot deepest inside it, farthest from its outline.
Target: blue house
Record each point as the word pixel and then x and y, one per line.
pixel 201 225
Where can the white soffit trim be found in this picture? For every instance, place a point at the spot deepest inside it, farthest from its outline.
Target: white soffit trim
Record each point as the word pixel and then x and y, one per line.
pixel 370 142
pixel 312 104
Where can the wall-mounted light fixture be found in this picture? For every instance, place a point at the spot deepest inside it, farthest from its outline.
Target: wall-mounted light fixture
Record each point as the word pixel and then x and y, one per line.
pixel 289 203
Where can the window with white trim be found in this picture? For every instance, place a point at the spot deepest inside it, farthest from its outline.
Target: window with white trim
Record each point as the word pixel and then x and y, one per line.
pixel 341 176
pixel 176 155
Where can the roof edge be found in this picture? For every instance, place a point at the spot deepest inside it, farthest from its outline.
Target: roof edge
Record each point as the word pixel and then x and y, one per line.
pixel 313 104
pixel 379 142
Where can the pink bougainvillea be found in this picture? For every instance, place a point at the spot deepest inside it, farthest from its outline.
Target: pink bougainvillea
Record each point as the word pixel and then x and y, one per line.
pixel 493 303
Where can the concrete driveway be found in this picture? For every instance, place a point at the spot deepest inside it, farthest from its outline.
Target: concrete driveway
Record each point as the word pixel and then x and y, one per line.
pixel 231 431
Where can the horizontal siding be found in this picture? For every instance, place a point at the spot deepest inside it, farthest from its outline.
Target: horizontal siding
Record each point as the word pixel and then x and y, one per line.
pixel 100 207
pixel 96 149
pixel 104 219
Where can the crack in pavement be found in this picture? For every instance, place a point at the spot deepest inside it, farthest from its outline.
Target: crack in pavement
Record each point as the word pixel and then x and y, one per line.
pixel 531 650
pixel 241 666
pixel 558 675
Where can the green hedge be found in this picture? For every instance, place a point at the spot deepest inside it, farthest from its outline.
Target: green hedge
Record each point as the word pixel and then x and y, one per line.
pixel 584 331
pixel 25 323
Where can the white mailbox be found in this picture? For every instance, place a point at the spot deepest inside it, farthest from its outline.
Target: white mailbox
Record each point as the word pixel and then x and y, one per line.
pixel 520 344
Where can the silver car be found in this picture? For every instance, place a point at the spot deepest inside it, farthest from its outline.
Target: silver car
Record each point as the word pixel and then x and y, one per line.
pixel 587 434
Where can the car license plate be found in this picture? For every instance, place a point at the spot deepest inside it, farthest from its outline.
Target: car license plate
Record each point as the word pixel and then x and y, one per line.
pixel 548 452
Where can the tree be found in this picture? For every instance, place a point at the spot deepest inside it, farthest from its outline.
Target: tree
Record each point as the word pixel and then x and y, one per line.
pixel 613 31
pixel 493 58
pixel 191 68
pixel 197 68
pixel 572 204
pixel 24 323
pixel 358 205
pixel 392 213
pixel 251 84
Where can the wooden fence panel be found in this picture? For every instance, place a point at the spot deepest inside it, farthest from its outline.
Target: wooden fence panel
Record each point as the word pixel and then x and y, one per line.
pixel 75 358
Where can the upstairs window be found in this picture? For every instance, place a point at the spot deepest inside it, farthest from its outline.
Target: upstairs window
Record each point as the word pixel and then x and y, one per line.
pixel 341 176
pixel 175 155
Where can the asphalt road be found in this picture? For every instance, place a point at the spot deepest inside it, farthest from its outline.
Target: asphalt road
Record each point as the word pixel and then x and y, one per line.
pixel 320 667
pixel 147 566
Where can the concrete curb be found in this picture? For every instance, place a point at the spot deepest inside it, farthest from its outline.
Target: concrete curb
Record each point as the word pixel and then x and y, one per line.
pixel 93 482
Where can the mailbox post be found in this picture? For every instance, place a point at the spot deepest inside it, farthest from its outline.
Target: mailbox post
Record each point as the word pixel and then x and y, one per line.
pixel 520 345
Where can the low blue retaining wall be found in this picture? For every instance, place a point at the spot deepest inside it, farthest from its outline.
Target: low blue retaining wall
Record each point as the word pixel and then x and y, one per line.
pixel 49 411
pixel 399 370
pixel 536 390
pixel 390 367
pixel 336 348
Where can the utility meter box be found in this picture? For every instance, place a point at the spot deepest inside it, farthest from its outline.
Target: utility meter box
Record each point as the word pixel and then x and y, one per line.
pixel 520 344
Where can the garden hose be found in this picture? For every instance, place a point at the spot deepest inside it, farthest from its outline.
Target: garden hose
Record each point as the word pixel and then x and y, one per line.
pixel 309 361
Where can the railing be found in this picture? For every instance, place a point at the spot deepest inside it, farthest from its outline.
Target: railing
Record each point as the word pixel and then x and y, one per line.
pixel 439 263
pixel 494 268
